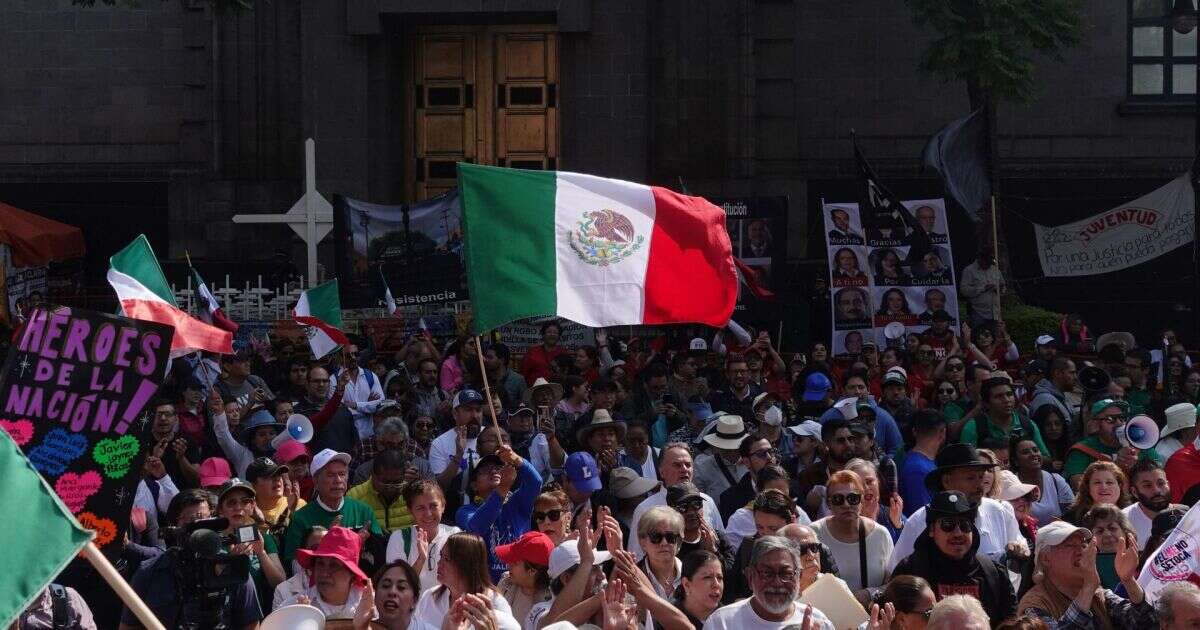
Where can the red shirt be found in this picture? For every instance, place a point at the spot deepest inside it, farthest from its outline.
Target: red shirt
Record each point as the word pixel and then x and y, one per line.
pixel 1183 471
pixel 537 362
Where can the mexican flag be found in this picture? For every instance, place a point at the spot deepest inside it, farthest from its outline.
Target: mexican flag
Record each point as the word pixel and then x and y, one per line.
pixel 144 293
pixel 601 252
pixel 47 539
pixel 209 309
pixel 320 310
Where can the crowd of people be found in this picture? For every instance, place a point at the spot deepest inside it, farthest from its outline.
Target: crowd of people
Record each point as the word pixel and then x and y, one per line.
pixel 680 481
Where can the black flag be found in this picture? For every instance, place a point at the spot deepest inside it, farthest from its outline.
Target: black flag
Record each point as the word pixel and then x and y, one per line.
pixel 886 218
pixel 959 154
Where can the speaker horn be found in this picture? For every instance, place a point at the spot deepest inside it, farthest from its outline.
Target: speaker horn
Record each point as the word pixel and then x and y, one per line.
pixel 298 428
pixel 1141 432
pixel 1094 379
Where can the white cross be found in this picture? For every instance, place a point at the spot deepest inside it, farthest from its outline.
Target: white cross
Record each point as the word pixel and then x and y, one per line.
pixel 24 364
pixel 121 495
pixel 311 217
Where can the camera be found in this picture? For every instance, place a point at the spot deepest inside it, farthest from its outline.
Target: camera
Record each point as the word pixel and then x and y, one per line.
pixel 207 573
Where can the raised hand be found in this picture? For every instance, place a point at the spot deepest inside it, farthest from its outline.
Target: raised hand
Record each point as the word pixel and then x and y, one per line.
pixel 478 611
pixel 366 608
pixel 881 618
pixel 1126 562
pixel 617 614
pixel 611 528
pixel 215 406
pixel 627 569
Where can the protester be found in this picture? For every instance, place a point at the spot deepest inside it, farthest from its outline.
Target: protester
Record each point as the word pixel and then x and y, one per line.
pixel 382 491
pixel 754 454
pixel 462 573
pixel 179 462
pixel 454 453
pixel 806 448
pixel 330 472
pixel 1107 414
pixel 674 468
pixel 1179 431
pixel 397 588
pixel 1102 483
pixel 1178 606
pixel 498 517
pixel 849 534
pixel 686 499
pixel 889 513
pixel 772 511
pixel 637 453
pixel 536 363
pixel 1152 492
pixel 420 545
pixel 742 523
pixel 552 515
pixel 774 575
pixel 236 503
pixel 912 600
pixel 958 612
pixel 660 532
pixel 1067 592
pixel 737 398
pixel 56 607
pixel 1050 392
pixel 702 585
pixel 575 575
pixel 1000 419
pixel 1109 526
pixel 722 466
pixel 929 431
pixel 526 582
pixel 1054 494
pixel 601 437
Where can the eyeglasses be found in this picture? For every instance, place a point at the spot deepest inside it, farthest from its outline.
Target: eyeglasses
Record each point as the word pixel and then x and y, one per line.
pixel 810 548
pixel 948 525
pixel 769 575
pixel 1117 419
pixel 766 453
pixel 691 505
pixel 658 537
pixel 552 515
pixel 851 498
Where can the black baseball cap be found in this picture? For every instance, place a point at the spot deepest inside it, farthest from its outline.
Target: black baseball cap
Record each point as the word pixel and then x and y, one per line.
pixel 264 467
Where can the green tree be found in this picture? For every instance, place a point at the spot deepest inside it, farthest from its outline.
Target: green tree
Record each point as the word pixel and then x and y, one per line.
pixel 991 46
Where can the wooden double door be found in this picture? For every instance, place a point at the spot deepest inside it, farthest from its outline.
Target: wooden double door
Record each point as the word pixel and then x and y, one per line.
pixel 481 94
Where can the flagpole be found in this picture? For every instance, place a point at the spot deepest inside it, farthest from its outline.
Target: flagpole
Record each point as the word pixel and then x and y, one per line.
pixel 996 254
pixel 122 588
pixel 487 389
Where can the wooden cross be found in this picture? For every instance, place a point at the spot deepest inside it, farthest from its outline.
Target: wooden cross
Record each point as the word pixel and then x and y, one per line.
pixel 311 217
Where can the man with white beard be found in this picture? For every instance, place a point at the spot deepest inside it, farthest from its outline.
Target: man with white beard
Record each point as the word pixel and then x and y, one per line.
pixel 774 577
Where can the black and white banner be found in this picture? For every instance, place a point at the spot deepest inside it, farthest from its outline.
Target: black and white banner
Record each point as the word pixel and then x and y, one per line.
pixel 880 275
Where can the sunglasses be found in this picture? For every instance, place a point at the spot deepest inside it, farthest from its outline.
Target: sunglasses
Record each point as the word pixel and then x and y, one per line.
pixel 948 525
pixel 948 391
pixel 1117 419
pixel 658 537
pixel 691 505
pixel 838 500
pixel 810 548
pixel 552 515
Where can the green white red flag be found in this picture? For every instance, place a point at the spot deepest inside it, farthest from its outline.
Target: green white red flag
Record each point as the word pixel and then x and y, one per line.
pixel 601 252
pixel 144 293
pixel 320 310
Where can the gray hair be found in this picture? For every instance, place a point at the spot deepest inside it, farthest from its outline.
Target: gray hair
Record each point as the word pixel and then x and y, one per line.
pixel 770 544
pixel 859 463
pixel 393 426
pixel 1172 595
pixel 955 612
pixel 793 531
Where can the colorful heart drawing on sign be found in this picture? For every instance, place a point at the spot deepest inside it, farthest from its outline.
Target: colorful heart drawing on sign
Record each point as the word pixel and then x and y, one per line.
pixel 59 448
pixel 116 456
pixel 106 530
pixel 75 490
pixel 21 431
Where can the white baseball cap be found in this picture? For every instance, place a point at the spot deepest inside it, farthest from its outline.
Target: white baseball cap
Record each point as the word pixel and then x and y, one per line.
pixel 698 344
pixel 1011 487
pixel 566 556
pixel 1044 340
pixel 1055 533
pixel 325 456
pixel 808 428
pixel 848 407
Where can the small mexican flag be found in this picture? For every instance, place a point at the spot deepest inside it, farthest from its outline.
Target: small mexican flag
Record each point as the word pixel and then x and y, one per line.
pixel 208 308
pixel 320 309
pixel 46 540
pixel 144 293
pixel 601 252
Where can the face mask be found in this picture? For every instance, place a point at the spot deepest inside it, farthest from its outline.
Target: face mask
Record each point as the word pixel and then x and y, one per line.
pixel 773 416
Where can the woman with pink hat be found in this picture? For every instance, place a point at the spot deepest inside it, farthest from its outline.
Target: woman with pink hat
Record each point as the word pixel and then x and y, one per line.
pixel 331 579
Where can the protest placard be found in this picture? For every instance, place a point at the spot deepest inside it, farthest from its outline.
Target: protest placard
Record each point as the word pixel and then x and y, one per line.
pixel 77 389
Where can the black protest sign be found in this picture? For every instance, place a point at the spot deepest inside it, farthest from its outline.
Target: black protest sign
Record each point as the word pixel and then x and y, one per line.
pixel 76 390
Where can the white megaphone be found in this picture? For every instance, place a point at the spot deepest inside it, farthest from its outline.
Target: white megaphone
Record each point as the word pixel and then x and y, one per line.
pixel 294 617
pixel 1141 432
pixel 298 428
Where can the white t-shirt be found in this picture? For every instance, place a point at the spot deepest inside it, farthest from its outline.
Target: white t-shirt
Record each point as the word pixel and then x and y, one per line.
pixel 1140 522
pixel 1056 492
pixel 741 616
pixel 996 523
pixel 878 548
pixel 433 607
pixel 397 550
pixel 711 515
pixel 741 526
pixel 442 450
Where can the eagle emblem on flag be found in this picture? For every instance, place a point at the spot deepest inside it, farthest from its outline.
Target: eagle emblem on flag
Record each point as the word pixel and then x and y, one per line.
pixel 605 237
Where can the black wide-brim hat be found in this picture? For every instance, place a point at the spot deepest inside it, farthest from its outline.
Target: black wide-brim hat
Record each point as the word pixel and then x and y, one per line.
pixel 954 456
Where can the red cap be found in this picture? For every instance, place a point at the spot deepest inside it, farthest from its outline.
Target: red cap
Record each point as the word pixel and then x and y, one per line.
pixel 532 547
pixel 289 451
pixel 341 543
pixel 214 471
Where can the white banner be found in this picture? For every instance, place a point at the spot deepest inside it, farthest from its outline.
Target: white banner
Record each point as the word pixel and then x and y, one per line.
pixel 1127 235
pixel 22 282
pixel 877 279
pixel 1175 560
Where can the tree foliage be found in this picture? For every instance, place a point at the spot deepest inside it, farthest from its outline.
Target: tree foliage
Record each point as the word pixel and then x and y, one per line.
pixel 990 44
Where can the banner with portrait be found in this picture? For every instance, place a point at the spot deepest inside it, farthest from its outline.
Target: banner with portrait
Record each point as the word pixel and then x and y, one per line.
pixel 877 276
pixel 77 387
pixel 757 229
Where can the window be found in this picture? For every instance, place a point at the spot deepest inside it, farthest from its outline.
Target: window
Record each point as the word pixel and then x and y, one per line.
pixel 1162 63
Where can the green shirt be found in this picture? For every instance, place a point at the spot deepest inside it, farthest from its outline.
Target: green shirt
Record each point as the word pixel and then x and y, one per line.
pixel 1138 399
pixel 1078 461
pixel 265 591
pixel 970 432
pixel 953 412
pixel 355 515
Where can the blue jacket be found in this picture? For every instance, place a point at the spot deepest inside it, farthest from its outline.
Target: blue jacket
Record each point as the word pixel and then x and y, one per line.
pixel 500 522
pixel 887 434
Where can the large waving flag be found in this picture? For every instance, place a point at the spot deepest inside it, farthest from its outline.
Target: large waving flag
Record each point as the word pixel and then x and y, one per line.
pixel 144 293
pixel 209 309
pixel 321 310
pixel 601 252
pixel 46 540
